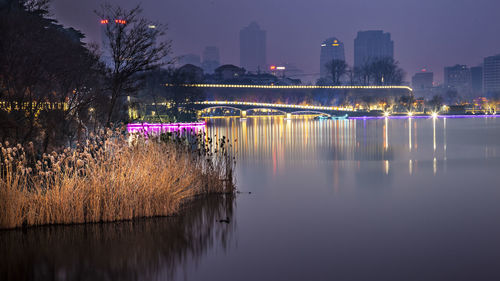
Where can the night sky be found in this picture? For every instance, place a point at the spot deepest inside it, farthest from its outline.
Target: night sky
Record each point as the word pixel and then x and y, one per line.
pixel 430 33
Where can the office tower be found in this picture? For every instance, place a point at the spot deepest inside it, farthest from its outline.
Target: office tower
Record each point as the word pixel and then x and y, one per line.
pixel 331 49
pixel 422 80
pixel 477 80
pixel 253 48
pixel 457 76
pixel 211 59
pixel 491 74
pixel 372 45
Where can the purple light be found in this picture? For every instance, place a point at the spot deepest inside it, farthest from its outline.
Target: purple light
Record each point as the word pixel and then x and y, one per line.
pixel 158 128
pixel 423 117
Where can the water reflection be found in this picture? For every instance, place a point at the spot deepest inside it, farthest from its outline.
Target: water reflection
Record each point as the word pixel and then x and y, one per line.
pixel 292 142
pixel 150 249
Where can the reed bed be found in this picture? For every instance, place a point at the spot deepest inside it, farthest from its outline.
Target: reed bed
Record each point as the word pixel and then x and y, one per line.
pixel 110 177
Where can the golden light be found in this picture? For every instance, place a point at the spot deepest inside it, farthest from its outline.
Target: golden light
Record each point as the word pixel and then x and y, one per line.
pixel 410 113
pixel 387 114
pixel 434 114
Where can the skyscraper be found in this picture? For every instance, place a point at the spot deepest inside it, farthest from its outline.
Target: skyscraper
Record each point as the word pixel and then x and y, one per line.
pixel 211 59
pixel 476 74
pixel 458 78
pixel 331 49
pixel 371 45
pixel 422 80
pixel 491 74
pixel 253 48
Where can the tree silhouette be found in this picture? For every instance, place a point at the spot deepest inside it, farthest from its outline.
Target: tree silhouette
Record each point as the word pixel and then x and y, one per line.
pixel 135 45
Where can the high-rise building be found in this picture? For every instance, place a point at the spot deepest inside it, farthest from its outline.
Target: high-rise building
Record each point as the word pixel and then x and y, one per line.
pixel 371 45
pixel 458 77
pixel 476 74
pixel 422 83
pixel 422 80
pixel 211 59
pixel 253 48
pixel 331 49
pixel 491 74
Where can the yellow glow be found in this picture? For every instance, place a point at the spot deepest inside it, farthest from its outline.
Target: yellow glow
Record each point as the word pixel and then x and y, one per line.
pixel 335 45
pixel 291 87
pixel 387 114
pixel 434 115
pixel 410 113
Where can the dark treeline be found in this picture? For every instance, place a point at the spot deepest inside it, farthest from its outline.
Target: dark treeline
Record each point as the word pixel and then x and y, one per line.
pixel 55 89
pixel 380 72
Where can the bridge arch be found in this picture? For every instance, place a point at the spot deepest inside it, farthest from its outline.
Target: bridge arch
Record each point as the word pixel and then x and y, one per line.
pixel 266 108
pixel 221 107
pixel 310 111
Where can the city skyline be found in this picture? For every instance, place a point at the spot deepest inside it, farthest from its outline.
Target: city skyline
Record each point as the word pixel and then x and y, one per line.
pixel 426 33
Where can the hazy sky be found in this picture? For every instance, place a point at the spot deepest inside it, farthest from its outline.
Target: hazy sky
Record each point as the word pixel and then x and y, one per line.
pixel 431 33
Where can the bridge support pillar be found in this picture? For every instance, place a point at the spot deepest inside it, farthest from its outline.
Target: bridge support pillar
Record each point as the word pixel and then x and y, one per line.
pixel 243 114
pixel 288 116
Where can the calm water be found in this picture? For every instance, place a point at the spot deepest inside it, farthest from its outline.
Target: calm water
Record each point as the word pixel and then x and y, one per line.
pixel 330 200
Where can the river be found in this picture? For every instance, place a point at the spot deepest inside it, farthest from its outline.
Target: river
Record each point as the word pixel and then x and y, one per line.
pixel 374 199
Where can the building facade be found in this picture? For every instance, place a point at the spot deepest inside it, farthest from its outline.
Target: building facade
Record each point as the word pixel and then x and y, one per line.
pixel 423 80
pixel 476 74
pixel 372 45
pixel 331 49
pixel 458 78
pixel 491 75
pixel 253 48
pixel 211 59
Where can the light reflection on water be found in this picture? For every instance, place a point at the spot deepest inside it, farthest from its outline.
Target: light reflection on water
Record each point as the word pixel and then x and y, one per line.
pixel 398 199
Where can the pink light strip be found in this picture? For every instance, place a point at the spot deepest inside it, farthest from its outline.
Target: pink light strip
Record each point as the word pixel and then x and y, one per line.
pixel 158 128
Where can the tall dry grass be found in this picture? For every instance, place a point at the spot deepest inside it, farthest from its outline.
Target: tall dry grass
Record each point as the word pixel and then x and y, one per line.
pixel 109 178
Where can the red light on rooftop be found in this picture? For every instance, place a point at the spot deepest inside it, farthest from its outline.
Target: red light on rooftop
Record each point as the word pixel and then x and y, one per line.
pixel 121 21
pixel 272 67
pixel 104 21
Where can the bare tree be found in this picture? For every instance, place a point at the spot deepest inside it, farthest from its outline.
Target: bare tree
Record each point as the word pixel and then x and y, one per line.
pixel 135 45
pixel 46 76
pixel 337 69
pixel 384 71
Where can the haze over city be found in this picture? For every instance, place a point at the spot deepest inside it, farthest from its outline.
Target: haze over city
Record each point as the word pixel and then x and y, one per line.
pixel 199 140
pixel 426 33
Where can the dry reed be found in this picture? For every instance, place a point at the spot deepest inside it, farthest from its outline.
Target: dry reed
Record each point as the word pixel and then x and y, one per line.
pixel 109 178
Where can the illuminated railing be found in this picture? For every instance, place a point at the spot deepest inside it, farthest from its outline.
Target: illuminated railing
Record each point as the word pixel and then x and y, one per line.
pixel 158 128
pixel 275 105
pixel 290 87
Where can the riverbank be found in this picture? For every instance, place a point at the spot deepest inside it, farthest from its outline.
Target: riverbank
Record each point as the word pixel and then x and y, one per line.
pixel 107 179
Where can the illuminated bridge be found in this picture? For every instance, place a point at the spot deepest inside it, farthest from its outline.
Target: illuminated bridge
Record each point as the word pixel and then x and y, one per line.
pixel 292 94
pixel 286 109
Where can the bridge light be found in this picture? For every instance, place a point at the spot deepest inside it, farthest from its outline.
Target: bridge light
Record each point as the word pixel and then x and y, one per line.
pixel 434 114
pixel 410 114
pixel 387 114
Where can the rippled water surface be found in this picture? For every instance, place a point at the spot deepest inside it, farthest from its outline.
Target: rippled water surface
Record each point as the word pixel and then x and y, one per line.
pixel 405 199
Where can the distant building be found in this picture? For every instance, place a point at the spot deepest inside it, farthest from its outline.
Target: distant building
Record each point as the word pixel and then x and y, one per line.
pixel 371 45
pixel 190 59
pixel 459 78
pixel 253 48
pixel 229 71
pixel 423 80
pixel 491 74
pixel 331 49
pixel 476 74
pixel 211 59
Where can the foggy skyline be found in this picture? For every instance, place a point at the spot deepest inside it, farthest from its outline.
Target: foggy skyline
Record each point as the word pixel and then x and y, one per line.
pixel 426 33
